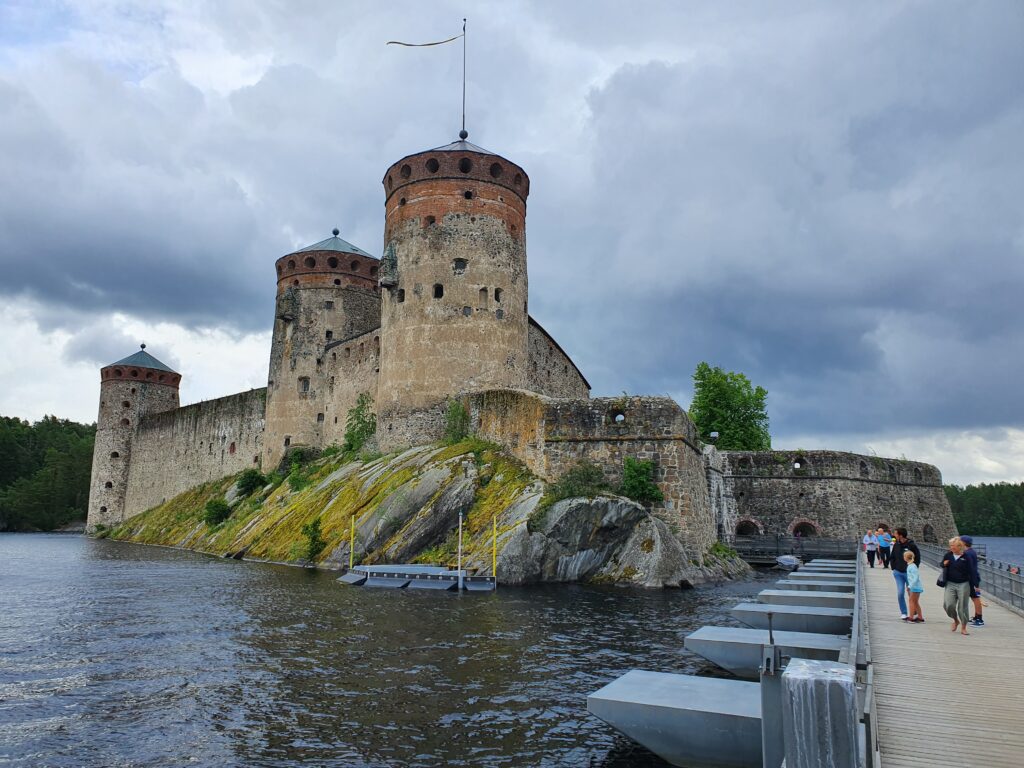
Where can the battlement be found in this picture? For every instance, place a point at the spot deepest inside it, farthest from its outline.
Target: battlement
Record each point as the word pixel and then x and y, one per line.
pixel 327 269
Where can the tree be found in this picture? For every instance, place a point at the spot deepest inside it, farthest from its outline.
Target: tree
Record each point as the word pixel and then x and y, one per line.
pixel 727 403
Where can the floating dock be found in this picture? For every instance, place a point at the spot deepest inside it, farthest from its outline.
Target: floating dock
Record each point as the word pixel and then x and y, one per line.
pixel 433 577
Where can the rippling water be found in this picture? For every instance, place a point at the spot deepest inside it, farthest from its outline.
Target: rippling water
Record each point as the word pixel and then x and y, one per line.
pixel 116 654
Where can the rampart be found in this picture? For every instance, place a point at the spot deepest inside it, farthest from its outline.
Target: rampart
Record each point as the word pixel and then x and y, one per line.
pixel 552 372
pixel 835 494
pixel 177 450
pixel 550 436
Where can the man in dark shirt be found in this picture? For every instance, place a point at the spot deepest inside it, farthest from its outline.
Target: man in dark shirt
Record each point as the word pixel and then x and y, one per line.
pixel 972 558
pixel 901 544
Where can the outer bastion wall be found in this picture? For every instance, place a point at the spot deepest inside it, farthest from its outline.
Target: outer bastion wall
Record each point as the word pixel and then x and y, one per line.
pixel 550 436
pixel 352 367
pixel 551 371
pixel 840 494
pixel 177 450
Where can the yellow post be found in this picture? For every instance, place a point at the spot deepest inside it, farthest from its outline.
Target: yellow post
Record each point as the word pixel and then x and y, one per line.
pixel 494 550
pixel 351 541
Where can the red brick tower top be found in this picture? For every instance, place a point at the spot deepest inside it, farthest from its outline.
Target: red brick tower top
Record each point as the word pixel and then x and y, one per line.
pixel 142 367
pixel 331 263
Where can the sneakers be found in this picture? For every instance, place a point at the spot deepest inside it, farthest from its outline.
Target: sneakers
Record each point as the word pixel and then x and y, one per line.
pixel 977 621
pixel 903 616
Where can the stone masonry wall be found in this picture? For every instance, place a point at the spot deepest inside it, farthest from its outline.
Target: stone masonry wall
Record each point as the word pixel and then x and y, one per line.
pixel 840 494
pixel 351 368
pixel 550 436
pixel 551 371
pixel 177 450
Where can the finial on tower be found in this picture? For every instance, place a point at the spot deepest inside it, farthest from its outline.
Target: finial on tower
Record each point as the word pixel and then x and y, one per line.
pixel 463 134
pixel 142 346
pixel 335 231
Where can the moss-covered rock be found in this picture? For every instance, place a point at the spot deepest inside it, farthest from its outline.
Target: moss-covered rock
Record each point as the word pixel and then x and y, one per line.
pixel 405 508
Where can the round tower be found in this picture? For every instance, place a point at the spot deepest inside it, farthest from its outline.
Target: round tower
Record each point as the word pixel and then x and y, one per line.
pixel 129 389
pixel 454 305
pixel 327 293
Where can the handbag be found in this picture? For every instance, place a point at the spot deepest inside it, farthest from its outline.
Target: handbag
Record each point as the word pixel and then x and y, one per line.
pixel 941 581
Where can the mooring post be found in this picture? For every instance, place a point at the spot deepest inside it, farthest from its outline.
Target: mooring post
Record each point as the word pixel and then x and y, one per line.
pixel 460 551
pixel 773 747
pixel 494 550
pixel 351 541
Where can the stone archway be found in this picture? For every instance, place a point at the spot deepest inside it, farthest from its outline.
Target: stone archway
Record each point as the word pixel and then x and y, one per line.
pixel 748 528
pixel 806 529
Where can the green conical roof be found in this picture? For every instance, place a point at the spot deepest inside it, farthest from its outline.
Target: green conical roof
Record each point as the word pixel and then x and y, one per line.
pixel 335 243
pixel 142 359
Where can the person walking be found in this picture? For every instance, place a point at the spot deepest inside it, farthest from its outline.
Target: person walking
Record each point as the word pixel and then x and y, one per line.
pixel 871 546
pixel 884 545
pixel 972 557
pixel 959 585
pixel 900 546
pixel 914 589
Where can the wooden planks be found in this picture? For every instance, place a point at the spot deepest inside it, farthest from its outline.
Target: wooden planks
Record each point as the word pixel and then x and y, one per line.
pixel 943 699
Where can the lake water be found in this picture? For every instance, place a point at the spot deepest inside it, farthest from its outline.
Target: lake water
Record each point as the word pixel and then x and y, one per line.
pixel 115 654
pixel 1009 549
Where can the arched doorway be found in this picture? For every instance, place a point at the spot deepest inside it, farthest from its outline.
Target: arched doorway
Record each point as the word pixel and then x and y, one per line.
pixel 747 528
pixel 805 529
pixel 929 534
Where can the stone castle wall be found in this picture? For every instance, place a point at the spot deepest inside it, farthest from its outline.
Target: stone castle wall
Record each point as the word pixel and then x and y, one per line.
pixel 552 372
pixel 840 494
pixel 550 436
pixel 179 449
pixel 352 367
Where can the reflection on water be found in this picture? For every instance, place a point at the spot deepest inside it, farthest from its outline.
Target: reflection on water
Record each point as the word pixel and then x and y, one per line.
pixel 115 654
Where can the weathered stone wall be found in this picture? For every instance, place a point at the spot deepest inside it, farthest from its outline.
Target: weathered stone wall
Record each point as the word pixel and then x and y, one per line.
pixel 723 505
pixel 840 495
pixel 177 450
pixel 308 318
pixel 123 402
pixel 351 368
pixel 550 436
pixel 552 371
pixel 454 316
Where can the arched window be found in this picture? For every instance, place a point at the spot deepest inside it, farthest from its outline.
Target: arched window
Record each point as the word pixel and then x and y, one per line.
pixel 805 529
pixel 482 304
pixel 747 528
pixel 108 484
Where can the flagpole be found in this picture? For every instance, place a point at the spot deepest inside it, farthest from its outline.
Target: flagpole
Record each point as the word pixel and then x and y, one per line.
pixel 463 76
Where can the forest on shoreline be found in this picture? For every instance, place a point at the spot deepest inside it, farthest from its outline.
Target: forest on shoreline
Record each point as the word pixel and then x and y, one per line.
pixel 995 509
pixel 44 472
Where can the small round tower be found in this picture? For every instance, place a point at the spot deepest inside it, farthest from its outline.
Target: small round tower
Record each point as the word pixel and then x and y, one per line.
pixel 454 305
pixel 326 293
pixel 129 389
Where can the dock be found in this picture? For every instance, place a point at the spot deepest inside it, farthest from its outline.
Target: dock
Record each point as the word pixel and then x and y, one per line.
pixel 943 699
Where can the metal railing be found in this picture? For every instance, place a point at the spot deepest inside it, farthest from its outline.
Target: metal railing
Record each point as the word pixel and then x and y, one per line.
pixel 1002 581
pixel 770 547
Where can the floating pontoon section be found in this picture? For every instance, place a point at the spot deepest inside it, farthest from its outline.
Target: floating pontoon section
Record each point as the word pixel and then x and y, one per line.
pixel 431 577
pixel 795 618
pixel 739 650
pixel 814 585
pixel 802 597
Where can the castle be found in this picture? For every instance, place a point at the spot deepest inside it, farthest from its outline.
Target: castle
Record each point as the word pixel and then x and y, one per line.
pixel 445 314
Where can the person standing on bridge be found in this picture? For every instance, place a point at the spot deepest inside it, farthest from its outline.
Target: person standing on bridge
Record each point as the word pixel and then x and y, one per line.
pixel 901 545
pixel 972 557
pixel 960 584
pixel 914 588
pixel 884 545
pixel 871 546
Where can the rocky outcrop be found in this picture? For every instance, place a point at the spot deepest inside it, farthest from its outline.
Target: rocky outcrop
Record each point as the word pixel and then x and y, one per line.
pixel 406 508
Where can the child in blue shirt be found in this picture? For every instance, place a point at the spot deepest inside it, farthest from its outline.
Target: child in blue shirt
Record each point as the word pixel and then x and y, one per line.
pixel 914 588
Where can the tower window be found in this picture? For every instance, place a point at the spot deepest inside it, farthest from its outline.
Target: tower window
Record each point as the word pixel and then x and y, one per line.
pixel 115 455
pixel 287 441
pixel 133 390
pixel 291 264
pixel 354 266
pixel 401 295
pixel 337 281
pixel 467 311
pixel 468 194
pixel 108 484
pixel 438 291
pixel 310 262
pixel 125 404
pixel 332 262
pixel 295 283
pixel 401 201
pixel 497 294
pixel 303 383
pixel 319 417
pixel 499 314
pixel 465 165
pixel 103 510
pixel 373 271
pixel 329 334
pixel 518 180
pixel 348 352
pixel 496 170
pixel 405 172
pixel 125 422
pixel 328 305
pixel 231 449
pixel 483 298
pixel 433 165
pixel 135 374
pixel 429 221
pixel 459 266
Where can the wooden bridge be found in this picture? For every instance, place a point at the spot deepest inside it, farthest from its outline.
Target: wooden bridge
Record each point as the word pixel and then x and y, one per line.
pixel 942 699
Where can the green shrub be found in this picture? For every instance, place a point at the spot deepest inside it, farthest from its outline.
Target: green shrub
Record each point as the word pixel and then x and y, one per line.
pixel 251 480
pixel 456 424
pixel 719 549
pixel 331 450
pixel 584 479
pixel 360 424
pixel 314 540
pixel 216 512
pixel 275 479
pixel 637 482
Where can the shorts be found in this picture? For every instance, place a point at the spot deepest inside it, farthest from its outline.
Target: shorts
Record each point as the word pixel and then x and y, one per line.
pixel 919 590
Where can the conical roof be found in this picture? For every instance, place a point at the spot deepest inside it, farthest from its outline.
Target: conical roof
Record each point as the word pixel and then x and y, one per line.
pixel 335 243
pixel 463 146
pixel 142 359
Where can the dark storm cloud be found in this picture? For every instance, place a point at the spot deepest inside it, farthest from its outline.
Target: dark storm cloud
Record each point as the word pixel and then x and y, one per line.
pixel 824 196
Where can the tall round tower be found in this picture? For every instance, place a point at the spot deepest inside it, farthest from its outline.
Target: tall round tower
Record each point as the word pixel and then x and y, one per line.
pixel 129 389
pixel 326 293
pixel 454 309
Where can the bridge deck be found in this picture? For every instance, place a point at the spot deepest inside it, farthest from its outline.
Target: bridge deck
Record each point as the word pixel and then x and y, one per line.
pixel 944 699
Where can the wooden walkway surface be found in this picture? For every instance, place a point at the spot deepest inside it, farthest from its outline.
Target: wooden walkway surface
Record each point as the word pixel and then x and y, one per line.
pixel 943 699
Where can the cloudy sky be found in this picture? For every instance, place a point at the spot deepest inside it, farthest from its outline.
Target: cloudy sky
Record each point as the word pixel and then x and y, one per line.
pixel 828 197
